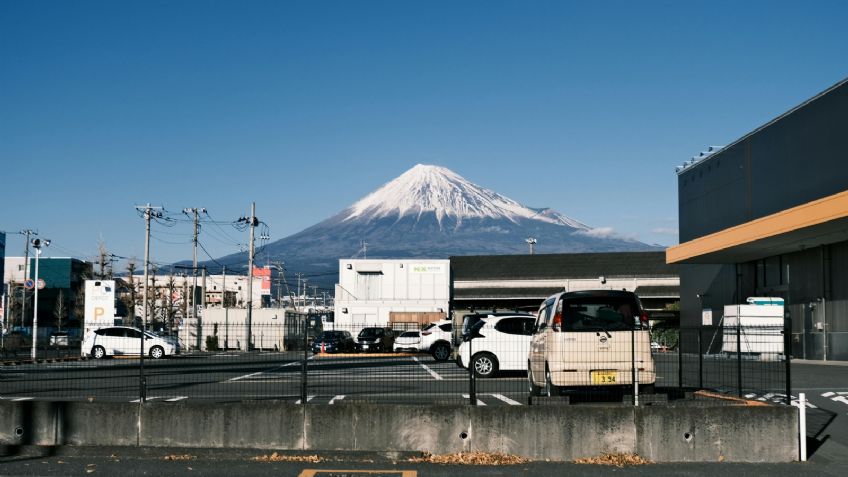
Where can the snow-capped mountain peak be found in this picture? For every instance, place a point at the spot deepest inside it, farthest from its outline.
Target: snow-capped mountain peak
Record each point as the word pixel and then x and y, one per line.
pixel 427 188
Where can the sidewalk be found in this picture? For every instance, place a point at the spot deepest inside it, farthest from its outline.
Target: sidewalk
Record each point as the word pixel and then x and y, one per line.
pixel 819 362
pixel 132 461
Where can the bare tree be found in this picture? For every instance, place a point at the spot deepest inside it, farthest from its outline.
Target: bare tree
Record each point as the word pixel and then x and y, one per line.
pixel 132 300
pixel 170 302
pixel 60 310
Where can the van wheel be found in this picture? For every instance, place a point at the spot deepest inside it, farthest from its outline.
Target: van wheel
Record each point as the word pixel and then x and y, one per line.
pixel 534 390
pixel 98 352
pixel 647 389
pixel 441 352
pixel 485 365
pixel 550 389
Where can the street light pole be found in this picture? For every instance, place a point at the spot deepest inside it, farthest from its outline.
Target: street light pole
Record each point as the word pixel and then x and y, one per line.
pixel 37 244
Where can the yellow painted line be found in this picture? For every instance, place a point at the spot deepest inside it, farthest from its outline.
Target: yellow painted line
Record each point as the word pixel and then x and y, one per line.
pixel 364 355
pixel 817 212
pixel 353 473
pixel 724 397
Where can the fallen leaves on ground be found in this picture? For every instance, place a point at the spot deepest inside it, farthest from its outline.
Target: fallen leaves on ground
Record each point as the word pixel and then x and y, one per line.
pixel 471 458
pixel 618 460
pixel 288 458
pixel 180 457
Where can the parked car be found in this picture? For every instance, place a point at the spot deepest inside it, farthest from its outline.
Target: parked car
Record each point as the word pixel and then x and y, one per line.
pixel 333 342
pixel 374 338
pixel 436 339
pixel 59 338
pixel 585 340
pixel 501 344
pixel 471 319
pixel 124 341
pixel 408 341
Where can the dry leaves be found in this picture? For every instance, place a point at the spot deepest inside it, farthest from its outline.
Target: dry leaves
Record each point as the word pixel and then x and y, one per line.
pixel 471 458
pixel 180 457
pixel 618 460
pixel 288 458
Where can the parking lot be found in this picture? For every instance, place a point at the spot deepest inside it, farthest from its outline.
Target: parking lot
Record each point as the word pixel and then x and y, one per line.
pixel 236 376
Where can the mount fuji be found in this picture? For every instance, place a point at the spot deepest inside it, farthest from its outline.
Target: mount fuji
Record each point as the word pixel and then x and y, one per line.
pixel 432 212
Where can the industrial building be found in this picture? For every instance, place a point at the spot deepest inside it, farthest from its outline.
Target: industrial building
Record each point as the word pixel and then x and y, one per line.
pixel 521 282
pixel 379 292
pixel 767 216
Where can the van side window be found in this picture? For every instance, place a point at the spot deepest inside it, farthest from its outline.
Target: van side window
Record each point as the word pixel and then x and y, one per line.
pixel 544 318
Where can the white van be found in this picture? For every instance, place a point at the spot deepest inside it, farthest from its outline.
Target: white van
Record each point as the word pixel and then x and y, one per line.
pixel 590 339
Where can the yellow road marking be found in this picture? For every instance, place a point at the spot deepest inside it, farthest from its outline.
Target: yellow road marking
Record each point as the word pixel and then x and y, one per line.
pixel 353 473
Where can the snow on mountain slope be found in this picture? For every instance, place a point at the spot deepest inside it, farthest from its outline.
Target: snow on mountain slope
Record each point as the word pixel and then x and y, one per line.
pixel 424 189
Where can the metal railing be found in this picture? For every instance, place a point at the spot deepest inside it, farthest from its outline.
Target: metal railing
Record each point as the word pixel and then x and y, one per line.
pixel 301 361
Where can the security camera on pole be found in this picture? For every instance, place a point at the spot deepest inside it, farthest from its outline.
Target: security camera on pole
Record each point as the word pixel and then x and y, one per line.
pixel 37 243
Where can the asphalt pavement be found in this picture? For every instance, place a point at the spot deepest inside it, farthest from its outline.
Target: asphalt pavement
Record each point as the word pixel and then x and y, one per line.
pixel 130 462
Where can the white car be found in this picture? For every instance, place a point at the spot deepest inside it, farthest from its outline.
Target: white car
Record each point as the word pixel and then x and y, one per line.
pixel 407 341
pixel 124 341
pixel 436 338
pixel 502 345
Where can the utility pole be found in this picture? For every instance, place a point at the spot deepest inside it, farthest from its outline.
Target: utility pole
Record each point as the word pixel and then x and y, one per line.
pixel 226 311
pixel 252 222
pixel 37 244
pixel 148 213
pixel 28 233
pixel 194 211
pixel 299 275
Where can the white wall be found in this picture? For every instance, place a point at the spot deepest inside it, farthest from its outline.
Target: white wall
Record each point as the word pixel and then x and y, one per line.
pixel 368 290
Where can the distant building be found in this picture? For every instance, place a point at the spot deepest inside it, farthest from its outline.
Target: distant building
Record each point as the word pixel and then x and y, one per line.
pixel 521 282
pixel 377 292
pixel 60 303
pixel 767 216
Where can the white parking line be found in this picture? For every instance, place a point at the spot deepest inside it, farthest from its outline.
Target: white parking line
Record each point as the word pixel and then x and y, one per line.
pixel 506 399
pixel 308 398
pixel 24 398
pixel 432 373
pixel 468 396
pixel 239 378
pixel 337 398
pixel 147 399
pixel 178 398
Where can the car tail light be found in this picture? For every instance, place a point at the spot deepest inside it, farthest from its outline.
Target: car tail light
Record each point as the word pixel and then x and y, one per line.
pixel 557 323
pixel 645 319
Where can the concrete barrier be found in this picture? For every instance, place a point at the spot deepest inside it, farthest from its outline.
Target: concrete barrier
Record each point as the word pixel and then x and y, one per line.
pixel 559 433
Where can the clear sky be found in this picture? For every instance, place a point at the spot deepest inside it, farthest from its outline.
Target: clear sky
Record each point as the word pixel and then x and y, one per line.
pixel 305 107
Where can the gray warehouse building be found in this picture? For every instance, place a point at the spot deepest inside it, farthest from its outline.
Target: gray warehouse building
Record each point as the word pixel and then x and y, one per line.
pixel 768 216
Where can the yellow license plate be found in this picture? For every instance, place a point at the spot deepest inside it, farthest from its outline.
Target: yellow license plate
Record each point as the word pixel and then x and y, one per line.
pixel 603 377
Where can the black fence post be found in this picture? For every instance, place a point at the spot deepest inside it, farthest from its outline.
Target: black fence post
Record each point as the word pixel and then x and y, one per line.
pixel 739 356
pixel 472 380
pixel 633 364
pixel 303 374
pixel 787 356
pixel 680 358
pixel 700 358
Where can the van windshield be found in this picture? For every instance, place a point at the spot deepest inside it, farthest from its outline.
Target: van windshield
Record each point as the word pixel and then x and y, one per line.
pixel 600 314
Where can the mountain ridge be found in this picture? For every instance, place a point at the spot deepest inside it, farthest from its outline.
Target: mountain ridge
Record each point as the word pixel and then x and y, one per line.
pixel 432 212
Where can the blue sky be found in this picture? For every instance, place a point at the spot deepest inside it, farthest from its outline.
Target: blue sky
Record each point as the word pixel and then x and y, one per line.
pixel 305 107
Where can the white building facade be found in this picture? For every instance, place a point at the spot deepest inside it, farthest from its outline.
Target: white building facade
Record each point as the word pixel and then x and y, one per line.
pixel 370 291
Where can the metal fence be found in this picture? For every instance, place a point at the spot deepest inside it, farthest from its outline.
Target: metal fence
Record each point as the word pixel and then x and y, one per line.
pixel 300 360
